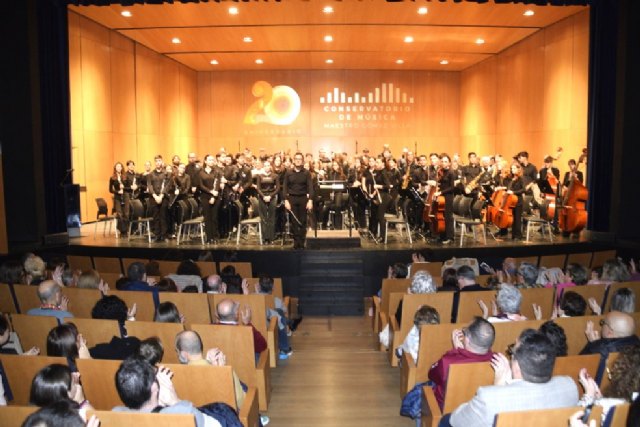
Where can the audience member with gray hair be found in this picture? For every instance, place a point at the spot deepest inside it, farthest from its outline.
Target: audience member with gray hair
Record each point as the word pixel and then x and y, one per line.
pixel 615 270
pixel 527 276
pixel 421 283
pixel 506 307
pixel 52 302
pixel 623 300
pixel 215 285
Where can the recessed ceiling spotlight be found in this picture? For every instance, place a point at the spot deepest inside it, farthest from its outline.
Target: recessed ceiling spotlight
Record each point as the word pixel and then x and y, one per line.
pixel 400 61
pixel 126 13
pixel 247 39
pixel 233 10
pixel 408 39
pixel 176 40
pixel 327 9
pixel 329 61
pixel 529 12
pixel 259 61
pixel 479 41
pixel 422 10
pixel 328 38
pixel 444 62
pixel 214 62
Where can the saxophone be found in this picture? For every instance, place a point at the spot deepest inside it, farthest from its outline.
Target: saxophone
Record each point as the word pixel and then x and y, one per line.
pixel 473 183
pixel 405 180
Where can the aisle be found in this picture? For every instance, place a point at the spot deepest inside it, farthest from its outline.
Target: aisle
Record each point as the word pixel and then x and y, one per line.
pixel 336 377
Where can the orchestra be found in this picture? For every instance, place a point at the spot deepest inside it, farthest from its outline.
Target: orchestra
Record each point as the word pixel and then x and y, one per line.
pixel 289 193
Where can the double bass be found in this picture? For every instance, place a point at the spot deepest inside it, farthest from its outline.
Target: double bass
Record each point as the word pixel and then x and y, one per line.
pixel 504 203
pixel 573 212
pixel 434 208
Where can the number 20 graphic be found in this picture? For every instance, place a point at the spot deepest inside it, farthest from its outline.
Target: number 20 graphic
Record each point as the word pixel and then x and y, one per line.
pixel 279 105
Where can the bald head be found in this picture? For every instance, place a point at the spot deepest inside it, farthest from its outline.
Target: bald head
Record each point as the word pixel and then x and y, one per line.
pixel 227 310
pixel 215 284
pixel 189 342
pixel 49 292
pixel 618 325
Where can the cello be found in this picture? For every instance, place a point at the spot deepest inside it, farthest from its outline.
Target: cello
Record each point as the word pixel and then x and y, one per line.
pixel 573 213
pixel 503 215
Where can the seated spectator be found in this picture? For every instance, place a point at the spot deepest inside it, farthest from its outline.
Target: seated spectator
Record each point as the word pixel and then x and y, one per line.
pixel 61 413
pixel 524 383
pixel 572 304
pixel 549 276
pixel 506 306
pixel 112 307
pixel 189 349
pixel 151 350
pixel 55 383
pixel 231 279
pixel 421 283
pixel 617 331
pixel 398 270
pixel 575 275
pixel 471 344
pixel 11 272
pixel 52 302
pixel 229 313
pixel 615 270
pixel 596 274
pixel 449 280
pixel 90 279
pixel 425 315
pixel 9 346
pixel 166 285
pixel 265 287
pixel 466 283
pixel 527 276
pixel 167 312
pixel 187 274
pixel 623 299
pixel 137 281
pixel 215 285
pixel 65 341
pixel 35 270
pixel 556 335
pixel 152 269
pixel 143 389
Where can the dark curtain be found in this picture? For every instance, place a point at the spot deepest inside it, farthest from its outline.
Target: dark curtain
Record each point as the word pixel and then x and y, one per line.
pixel 601 111
pixel 53 57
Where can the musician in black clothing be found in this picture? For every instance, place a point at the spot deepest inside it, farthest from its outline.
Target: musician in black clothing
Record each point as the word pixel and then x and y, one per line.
pixel 230 207
pixel 395 182
pixel 209 183
pixel 548 167
pixel 572 173
pixel 298 193
pixel 517 186
pixel 180 190
pixel 132 184
pixel 381 197
pixel 529 171
pixel 432 170
pixel 336 202
pixel 193 169
pixel 446 188
pixel 117 186
pixel 472 170
pixel 268 187
pixel 158 203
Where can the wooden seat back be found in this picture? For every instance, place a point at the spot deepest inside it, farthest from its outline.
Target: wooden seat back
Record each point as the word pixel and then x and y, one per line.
pixel 574 328
pixel 583 258
pixel 20 371
pixel 98 382
pixel 27 297
pixel 201 385
pixel 79 262
pixel 257 303
pixel 207 268
pixel 433 268
pixel 82 301
pixel 142 419
pixel 277 286
pixel 143 300
pixel 126 262
pixel 111 278
pixel 508 332
pixel 588 291
pixel 571 365
pixel 107 265
pixel 442 302
pixel 600 257
pixel 543 417
pixel 194 307
pixel 463 382
pixel 165 331
pixel 168 267
pixel 435 340
pixel 96 331
pixel 613 288
pixel 244 269
pixel 553 261
pixel 14 416
pixel 390 286
pixel 7 305
pixel 33 330
pixel 620 415
pixel 540 296
pixel 468 307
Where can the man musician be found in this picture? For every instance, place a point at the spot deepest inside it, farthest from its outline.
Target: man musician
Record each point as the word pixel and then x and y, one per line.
pixel 158 202
pixel 298 198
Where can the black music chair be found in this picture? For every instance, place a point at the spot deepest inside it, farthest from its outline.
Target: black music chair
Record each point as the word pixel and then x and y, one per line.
pixel 140 219
pixel 534 220
pixel 103 217
pixel 195 221
pixel 473 221
pixel 251 225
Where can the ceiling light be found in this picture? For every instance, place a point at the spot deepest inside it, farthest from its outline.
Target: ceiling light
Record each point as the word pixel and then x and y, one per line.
pixel 214 62
pixel 176 40
pixel 422 11
pixel 259 61
pixel 126 13
pixel 444 62
pixel 479 41
pixel 327 9
pixel 400 61
pixel 233 10
pixel 247 39
pixel 329 61
pixel 328 38
pixel 529 12
pixel 408 39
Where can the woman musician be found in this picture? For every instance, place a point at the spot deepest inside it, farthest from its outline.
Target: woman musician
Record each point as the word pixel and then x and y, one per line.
pixel 394 177
pixel 117 185
pixel 501 181
pixel 335 202
pixel 179 189
pixel 210 179
pixel 268 187
pixel 517 187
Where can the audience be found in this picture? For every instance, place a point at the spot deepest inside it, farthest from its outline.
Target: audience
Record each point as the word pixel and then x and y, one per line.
pixel 65 341
pixel 35 270
pixel 63 413
pixel 617 332
pixel 265 287
pixel 8 347
pixel 167 312
pixel 151 350
pixel 572 304
pixel 187 274
pixel 119 348
pixel 421 283
pixel 506 307
pixel 137 281
pixel 527 276
pixel 556 335
pixel 55 383
pixel 623 299
pixel 52 302
pixel 167 285
pixel 425 315
pixel 466 277
pixel 229 313
pixel 215 285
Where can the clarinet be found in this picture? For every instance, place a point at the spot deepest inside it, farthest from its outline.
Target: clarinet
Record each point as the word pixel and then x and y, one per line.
pixel 121 188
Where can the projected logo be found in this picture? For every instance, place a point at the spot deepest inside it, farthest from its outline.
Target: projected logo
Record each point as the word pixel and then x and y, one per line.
pixel 276 105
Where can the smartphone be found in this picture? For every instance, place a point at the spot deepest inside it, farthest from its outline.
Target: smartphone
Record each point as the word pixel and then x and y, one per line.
pixel 587 413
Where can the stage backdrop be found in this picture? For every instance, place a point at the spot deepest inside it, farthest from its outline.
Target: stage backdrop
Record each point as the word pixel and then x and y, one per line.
pixel 129 102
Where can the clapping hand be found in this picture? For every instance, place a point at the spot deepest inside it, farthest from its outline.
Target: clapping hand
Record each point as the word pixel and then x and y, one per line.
pixel 167 395
pixel 591 333
pixel 502 369
pixel 245 315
